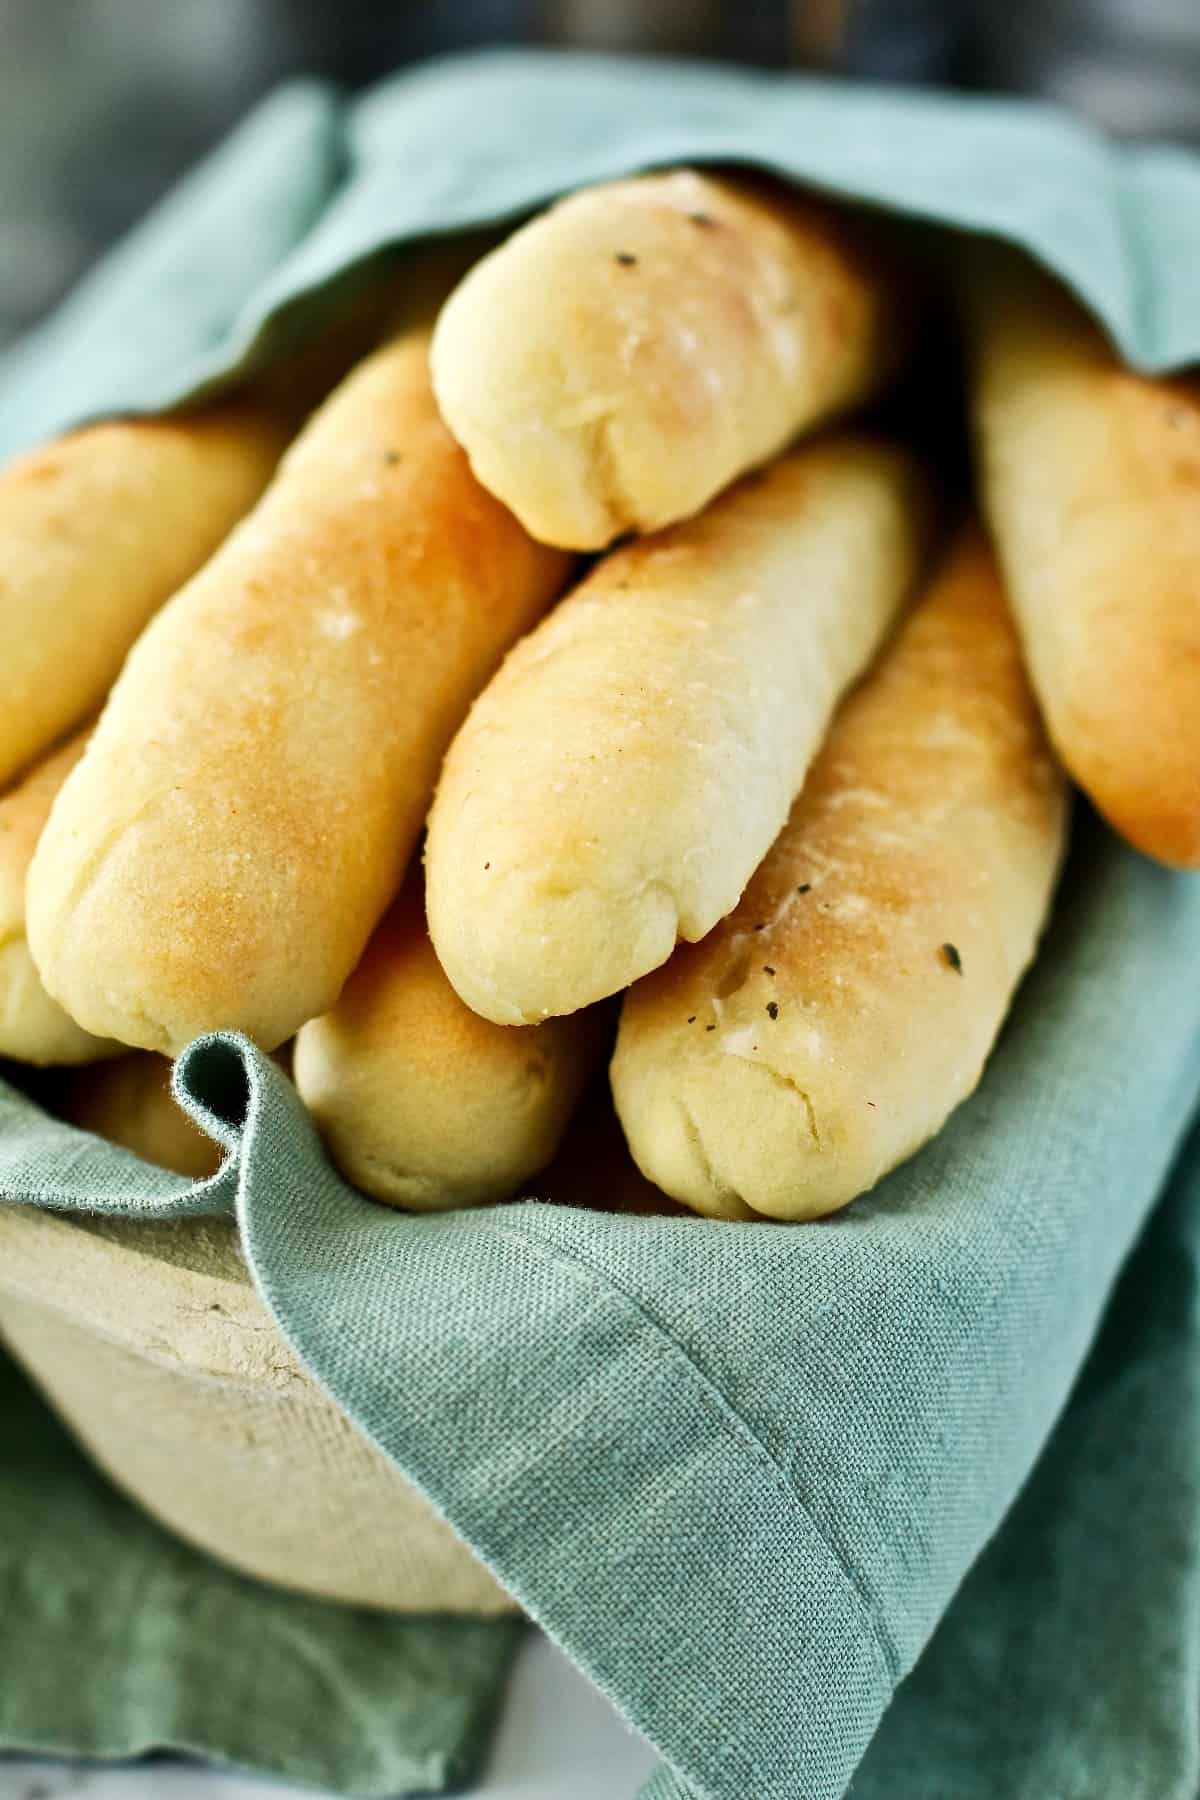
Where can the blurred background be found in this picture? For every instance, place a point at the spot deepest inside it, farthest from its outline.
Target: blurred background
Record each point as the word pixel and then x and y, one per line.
pixel 103 103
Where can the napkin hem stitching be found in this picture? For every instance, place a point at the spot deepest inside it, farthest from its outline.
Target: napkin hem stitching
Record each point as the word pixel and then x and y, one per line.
pixel 736 1427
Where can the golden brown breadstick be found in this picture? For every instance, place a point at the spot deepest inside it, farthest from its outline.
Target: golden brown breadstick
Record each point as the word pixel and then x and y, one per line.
pixel 259 777
pixel 632 351
pixel 96 530
pixel 1090 477
pixel 827 1028
pixel 33 1027
pixel 616 785
pixel 129 1102
pixel 420 1101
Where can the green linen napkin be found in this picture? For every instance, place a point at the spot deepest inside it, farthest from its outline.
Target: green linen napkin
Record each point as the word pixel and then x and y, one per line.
pixel 740 1471
pixel 1069 1664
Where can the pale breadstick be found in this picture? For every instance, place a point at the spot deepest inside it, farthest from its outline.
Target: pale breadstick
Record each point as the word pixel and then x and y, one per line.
pixel 251 796
pixel 1090 477
pixel 619 781
pixel 827 1028
pixel 420 1101
pixel 33 1027
pixel 630 352
pixel 129 1102
pixel 96 530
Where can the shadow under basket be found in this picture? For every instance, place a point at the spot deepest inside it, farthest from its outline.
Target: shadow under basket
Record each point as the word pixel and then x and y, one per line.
pixel 150 1342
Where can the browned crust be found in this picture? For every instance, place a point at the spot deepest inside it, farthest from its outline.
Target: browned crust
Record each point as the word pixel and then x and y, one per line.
pixel 1090 476
pixel 826 1028
pixel 97 530
pixel 247 806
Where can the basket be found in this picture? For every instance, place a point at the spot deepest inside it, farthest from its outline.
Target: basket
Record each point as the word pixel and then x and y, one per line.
pixel 150 1342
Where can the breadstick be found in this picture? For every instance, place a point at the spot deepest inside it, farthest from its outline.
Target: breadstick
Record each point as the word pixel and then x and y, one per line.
pixel 96 530
pixel 129 1102
pixel 632 351
pixel 253 791
pixel 616 785
pixel 33 1027
pixel 1090 478
pixel 828 1027
pixel 420 1101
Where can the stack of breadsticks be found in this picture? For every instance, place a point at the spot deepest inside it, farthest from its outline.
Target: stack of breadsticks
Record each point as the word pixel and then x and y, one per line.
pixel 771 765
